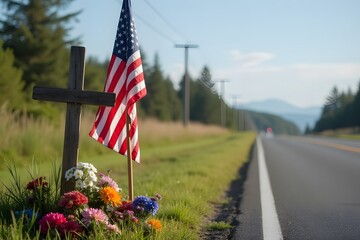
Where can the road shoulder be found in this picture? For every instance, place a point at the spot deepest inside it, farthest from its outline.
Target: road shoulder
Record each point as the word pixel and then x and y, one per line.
pixel 248 221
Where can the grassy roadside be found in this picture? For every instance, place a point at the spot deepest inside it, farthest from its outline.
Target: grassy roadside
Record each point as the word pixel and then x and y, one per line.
pixel 25 137
pixel 348 136
pixel 189 176
pixel 355 137
pixel 344 133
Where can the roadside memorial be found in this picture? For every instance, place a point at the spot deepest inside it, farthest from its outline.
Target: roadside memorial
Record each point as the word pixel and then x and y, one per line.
pixel 91 204
pixel 74 96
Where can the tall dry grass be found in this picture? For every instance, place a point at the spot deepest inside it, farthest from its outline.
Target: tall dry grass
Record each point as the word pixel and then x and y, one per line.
pixel 24 138
pixel 153 132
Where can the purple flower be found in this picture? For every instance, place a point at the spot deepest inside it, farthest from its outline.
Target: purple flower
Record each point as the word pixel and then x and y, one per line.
pixel 145 205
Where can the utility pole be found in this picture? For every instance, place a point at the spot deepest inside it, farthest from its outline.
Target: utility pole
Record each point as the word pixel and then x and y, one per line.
pixel 223 107
pixel 186 92
pixel 236 112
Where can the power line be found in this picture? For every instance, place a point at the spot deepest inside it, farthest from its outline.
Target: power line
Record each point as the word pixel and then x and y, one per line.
pixel 150 26
pixel 154 29
pixel 165 20
pixel 209 88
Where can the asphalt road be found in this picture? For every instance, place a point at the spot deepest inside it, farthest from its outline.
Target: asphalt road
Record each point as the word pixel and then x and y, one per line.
pixel 316 189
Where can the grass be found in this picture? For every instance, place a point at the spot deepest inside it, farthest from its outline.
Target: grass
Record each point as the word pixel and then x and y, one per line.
pixel 190 167
pixel 349 136
pixel 189 175
pixel 218 226
pixel 344 133
pixel 27 138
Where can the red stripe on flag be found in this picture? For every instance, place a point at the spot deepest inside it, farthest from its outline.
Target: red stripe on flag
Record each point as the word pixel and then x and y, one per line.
pixel 111 64
pixel 110 116
pixel 125 78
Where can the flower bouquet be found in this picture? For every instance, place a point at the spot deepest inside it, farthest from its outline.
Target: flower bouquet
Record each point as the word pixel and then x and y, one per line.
pixel 95 205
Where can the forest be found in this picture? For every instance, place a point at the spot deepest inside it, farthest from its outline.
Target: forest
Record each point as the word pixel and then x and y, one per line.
pixel 341 110
pixel 34 50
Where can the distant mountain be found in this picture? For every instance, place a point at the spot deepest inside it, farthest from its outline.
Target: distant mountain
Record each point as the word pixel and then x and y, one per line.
pixel 298 115
pixel 262 121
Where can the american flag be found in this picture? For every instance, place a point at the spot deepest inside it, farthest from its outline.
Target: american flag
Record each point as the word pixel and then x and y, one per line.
pixel 125 78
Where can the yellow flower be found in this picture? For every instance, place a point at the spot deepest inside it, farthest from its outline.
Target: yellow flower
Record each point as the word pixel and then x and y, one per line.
pixel 109 195
pixel 155 224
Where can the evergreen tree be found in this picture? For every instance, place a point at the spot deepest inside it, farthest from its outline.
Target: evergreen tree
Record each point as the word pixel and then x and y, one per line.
pixel 156 103
pixel 307 129
pixel 10 80
pixel 333 100
pixel 327 118
pixel 343 114
pixel 36 32
pixel 174 103
pixel 205 104
pixel 339 111
pixel 95 74
pixel 355 110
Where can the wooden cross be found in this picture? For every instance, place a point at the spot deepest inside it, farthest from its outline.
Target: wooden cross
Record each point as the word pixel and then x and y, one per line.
pixel 74 96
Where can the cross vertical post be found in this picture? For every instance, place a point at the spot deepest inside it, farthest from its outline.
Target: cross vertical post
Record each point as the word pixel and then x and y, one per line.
pixel 74 96
pixel 73 117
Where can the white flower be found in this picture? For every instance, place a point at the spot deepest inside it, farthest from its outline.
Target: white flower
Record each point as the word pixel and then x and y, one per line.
pixel 83 185
pixel 78 174
pixel 92 175
pixel 69 173
pixel 81 165
pixel 88 182
pixel 93 169
pixel 78 184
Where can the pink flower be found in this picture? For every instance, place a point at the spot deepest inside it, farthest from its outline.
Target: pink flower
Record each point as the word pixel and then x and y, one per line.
pixel 71 227
pixel 93 214
pixel 106 181
pixel 50 221
pixel 113 228
pixel 73 199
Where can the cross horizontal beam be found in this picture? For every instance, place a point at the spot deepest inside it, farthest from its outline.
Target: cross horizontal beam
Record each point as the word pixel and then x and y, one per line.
pixel 73 96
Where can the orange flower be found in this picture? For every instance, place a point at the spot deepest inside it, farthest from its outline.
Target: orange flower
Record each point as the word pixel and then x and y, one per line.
pixel 155 224
pixel 109 195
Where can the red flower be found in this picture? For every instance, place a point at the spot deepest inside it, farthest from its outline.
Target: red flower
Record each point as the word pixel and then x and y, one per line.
pixel 73 199
pixel 126 205
pixel 38 182
pixel 50 221
pixel 71 227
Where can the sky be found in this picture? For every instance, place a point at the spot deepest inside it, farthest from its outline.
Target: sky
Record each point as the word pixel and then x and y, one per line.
pixel 291 50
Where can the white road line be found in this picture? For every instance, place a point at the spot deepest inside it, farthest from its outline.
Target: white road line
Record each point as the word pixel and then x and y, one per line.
pixel 270 220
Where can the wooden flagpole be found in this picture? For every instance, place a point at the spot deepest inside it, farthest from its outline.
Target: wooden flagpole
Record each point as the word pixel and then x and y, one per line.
pixel 130 166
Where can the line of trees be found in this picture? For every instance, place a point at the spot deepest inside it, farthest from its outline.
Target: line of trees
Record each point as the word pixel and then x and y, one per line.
pixel 34 50
pixel 341 110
